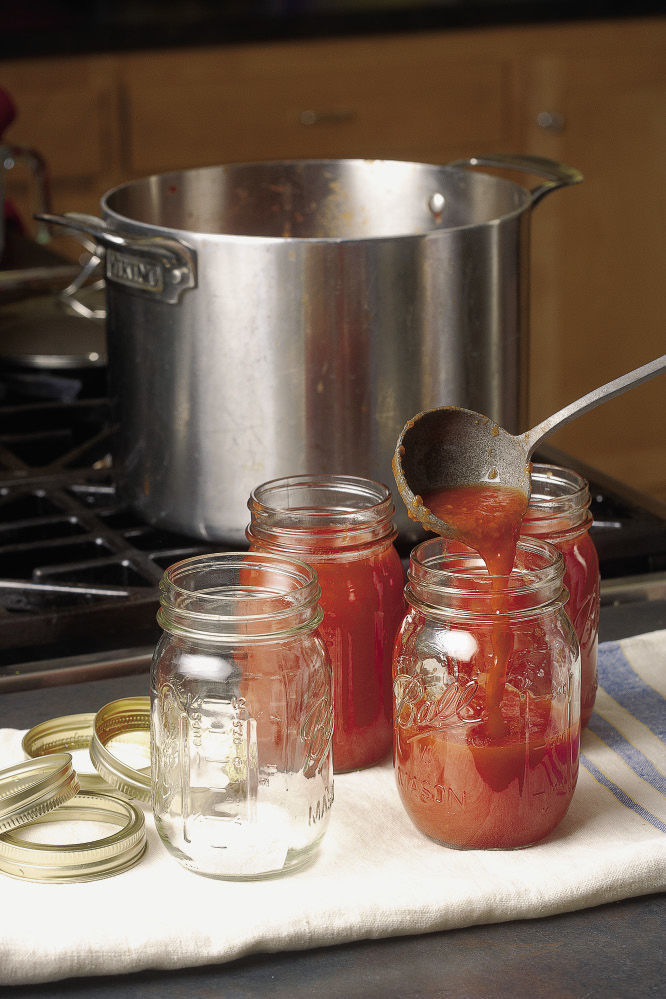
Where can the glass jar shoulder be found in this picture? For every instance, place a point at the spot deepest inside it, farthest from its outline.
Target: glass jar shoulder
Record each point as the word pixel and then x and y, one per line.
pixel 221 663
pixel 451 650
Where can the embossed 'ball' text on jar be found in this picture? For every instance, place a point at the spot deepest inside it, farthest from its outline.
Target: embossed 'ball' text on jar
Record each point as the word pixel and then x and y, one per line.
pixel 342 525
pixel 486 681
pixel 241 716
pixel 559 512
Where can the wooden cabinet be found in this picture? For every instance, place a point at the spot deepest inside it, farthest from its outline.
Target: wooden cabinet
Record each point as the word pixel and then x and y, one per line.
pixel 100 121
pixel 591 94
pixel 398 97
pixel 68 111
pixel 599 250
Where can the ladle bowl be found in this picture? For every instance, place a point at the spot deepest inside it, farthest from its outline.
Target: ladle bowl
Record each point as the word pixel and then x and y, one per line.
pixel 447 447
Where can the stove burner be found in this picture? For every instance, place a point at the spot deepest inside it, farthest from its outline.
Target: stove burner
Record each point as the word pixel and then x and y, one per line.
pixel 78 571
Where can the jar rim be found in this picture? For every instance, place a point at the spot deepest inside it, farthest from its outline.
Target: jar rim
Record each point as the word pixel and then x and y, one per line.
pixel 445 575
pixel 425 556
pixel 559 486
pixel 340 510
pixel 207 595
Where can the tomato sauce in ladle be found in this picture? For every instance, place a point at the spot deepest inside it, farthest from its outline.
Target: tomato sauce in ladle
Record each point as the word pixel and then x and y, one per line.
pixel 442 451
pixel 486 517
pixel 449 447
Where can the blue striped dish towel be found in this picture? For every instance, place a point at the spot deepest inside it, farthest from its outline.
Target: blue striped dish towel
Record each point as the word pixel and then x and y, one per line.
pixel 624 748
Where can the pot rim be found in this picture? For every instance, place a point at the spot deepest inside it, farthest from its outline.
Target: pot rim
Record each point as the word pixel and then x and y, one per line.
pixel 119 220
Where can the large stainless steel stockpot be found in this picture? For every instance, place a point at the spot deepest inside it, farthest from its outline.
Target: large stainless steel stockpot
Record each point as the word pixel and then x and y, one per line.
pixel 267 319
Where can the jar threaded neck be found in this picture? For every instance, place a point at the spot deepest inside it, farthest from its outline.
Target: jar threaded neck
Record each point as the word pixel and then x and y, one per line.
pixel 450 579
pixel 232 595
pixel 559 503
pixel 322 513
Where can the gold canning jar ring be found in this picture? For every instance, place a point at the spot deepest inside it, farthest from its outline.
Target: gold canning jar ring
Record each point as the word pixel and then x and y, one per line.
pixel 64 735
pixel 28 790
pixel 128 716
pixel 76 862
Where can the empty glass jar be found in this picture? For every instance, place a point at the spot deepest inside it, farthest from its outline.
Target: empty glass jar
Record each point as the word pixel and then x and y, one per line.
pixel 241 715
pixel 342 525
pixel 486 682
pixel 559 512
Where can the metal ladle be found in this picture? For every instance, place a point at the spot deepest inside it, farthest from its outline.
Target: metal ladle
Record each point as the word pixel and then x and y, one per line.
pixel 448 447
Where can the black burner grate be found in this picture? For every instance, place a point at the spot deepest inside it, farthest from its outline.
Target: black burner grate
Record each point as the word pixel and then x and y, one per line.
pixel 78 571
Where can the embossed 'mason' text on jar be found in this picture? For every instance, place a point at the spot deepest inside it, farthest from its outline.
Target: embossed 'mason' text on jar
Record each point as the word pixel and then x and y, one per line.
pixel 241 716
pixel 486 695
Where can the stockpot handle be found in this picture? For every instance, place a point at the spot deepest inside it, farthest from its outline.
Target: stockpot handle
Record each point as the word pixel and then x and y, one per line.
pixel 554 174
pixel 156 267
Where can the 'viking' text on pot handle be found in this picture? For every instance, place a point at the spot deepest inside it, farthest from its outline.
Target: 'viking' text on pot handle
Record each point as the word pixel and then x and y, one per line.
pixel 156 267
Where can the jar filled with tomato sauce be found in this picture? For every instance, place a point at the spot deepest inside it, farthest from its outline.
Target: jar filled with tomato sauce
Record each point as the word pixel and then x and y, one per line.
pixel 342 526
pixel 559 512
pixel 486 688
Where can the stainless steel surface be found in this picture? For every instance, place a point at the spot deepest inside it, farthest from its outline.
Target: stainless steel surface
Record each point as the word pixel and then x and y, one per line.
pixel 163 268
pixel 75 295
pixel 553 174
pixel 447 447
pixel 44 674
pixel 332 300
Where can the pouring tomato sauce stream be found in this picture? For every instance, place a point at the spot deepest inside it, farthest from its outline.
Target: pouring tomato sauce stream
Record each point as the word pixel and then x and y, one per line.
pixel 488 519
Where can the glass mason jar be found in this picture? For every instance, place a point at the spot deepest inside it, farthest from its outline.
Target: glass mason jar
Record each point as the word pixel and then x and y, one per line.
pixel 559 512
pixel 342 526
pixel 241 716
pixel 486 681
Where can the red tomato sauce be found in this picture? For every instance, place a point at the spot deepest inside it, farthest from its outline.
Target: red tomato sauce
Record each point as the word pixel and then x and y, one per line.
pixel 486 517
pixel 468 789
pixel 502 774
pixel 363 606
pixel 363 602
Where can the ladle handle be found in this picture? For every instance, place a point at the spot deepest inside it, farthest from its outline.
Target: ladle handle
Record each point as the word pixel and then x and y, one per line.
pixel 592 400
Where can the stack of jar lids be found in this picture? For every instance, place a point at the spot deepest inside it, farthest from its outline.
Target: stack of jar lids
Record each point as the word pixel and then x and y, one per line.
pixel 46 788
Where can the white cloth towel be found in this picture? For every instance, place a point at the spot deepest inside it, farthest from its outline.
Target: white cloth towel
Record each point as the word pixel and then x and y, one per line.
pixel 376 875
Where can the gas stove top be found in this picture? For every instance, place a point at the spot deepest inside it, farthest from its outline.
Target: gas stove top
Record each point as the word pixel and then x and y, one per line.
pixel 79 571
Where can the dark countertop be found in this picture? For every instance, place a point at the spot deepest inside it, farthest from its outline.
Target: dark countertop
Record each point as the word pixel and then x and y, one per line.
pixel 40 27
pixel 608 952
